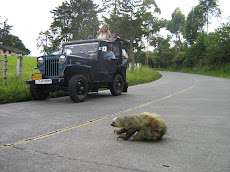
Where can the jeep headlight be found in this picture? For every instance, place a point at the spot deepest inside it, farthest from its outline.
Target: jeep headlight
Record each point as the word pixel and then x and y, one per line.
pixel 40 61
pixel 62 59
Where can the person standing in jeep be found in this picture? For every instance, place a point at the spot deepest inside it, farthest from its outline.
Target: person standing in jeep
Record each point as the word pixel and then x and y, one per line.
pixel 124 44
pixel 116 34
pixel 104 32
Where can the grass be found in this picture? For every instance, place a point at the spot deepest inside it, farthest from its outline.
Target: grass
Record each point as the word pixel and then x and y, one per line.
pixel 144 75
pixel 222 71
pixel 16 89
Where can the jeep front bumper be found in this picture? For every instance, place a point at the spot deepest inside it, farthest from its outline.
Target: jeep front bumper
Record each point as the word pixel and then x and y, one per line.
pixel 47 82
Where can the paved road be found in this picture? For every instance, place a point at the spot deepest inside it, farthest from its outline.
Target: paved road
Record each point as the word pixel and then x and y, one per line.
pixel 58 135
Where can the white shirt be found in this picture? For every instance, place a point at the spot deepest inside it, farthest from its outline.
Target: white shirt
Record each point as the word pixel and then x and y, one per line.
pixel 101 36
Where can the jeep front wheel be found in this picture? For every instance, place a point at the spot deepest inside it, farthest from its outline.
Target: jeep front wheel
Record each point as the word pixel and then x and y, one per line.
pixel 117 86
pixel 78 88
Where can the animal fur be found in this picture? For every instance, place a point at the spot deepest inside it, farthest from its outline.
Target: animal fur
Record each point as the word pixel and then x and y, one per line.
pixel 149 126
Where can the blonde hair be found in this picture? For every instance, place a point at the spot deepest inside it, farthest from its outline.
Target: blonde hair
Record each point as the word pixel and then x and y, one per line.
pixel 108 34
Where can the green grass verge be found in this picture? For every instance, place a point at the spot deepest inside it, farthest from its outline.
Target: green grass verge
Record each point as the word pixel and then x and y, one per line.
pixel 16 89
pixel 222 71
pixel 144 75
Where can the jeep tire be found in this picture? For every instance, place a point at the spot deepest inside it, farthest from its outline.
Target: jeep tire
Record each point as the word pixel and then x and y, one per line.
pixel 117 86
pixel 38 93
pixel 78 88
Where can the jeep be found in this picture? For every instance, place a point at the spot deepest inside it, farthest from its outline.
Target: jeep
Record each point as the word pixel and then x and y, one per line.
pixel 81 68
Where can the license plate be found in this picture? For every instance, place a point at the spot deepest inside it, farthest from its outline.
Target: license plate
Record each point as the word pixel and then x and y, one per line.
pixel 36 76
pixel 43 81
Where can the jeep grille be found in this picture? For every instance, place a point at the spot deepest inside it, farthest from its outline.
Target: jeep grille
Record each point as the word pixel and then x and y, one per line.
pixel 51 66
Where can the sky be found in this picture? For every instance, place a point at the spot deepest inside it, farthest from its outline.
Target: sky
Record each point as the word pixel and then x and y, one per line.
pixel 30 17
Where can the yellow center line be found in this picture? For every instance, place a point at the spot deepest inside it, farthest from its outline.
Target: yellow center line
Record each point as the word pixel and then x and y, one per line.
pixel 94 120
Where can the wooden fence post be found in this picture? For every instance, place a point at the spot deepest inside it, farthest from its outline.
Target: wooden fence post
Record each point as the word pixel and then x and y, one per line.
pixel 4 69
pixel 19 66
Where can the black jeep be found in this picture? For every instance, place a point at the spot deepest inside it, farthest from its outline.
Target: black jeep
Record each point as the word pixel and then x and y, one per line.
pixel 81 68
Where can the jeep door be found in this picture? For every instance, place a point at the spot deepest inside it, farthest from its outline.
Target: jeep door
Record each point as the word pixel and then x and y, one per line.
pixel 109 67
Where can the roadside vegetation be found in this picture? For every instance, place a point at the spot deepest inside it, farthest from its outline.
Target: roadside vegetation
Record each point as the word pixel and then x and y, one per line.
pixel 188 47
pixel 223 71
pixel 16 89
pixel 141 76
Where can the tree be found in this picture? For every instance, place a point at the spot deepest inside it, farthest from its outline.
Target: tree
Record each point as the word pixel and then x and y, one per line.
pixel 151 26
pixel 111 3
pixel 8 39
pixel 217 45
pixel 73 20
pixel 224 40
pixel 17 43
pixel 176 25
pixel 5 37
pixel 62 21
pixel 76 20
pixel 198 17
pixel 162 51
pixel 209 8
pixel 194 24
pixel 131 18
pixel 44 42
pixel 84 18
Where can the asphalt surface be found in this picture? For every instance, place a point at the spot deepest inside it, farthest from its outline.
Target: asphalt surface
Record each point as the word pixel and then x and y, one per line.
pixel 59 135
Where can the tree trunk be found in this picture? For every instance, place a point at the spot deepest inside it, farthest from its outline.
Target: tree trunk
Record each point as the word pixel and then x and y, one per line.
pixel 207 23
pixel 176 44
pixel 147 58
pixel 131 50
pixel 147 53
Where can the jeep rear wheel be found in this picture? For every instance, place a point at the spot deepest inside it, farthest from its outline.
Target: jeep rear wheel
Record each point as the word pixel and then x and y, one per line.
pixel 117 85
pixel 38 93
pixel 78 88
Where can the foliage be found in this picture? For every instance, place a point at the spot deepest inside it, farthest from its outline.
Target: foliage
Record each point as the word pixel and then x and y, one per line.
pixel 135 20
pixel 209 8
pixel 210 52
pixel 73 20
pixel 140 57
pixel 198 17
pixel 194 24
pixel 144 75
pixel 223 33
pixel 222 71
pixel 201 52
pixel 8 39
pixel 209 55
pixel 132 18
pixel 162 50
pixel 210 49
pixel 176 26
pixel 16 88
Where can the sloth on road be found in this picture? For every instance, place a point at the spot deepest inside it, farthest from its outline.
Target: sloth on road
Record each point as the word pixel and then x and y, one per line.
pixel 149 126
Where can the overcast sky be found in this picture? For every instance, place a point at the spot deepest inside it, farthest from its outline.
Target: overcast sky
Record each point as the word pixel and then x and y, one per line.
pixel 29 17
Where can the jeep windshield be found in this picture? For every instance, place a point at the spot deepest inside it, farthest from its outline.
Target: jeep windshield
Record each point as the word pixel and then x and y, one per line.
pixel 84 50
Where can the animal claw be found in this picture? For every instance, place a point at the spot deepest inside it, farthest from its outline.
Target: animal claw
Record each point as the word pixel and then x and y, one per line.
pixel 119 137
